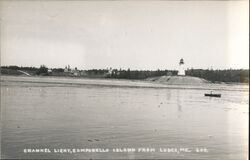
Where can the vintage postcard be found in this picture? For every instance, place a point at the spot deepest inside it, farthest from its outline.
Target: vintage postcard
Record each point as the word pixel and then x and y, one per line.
pixel 124 79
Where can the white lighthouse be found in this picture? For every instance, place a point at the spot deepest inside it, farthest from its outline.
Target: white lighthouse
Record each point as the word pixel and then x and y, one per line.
pixel 181 71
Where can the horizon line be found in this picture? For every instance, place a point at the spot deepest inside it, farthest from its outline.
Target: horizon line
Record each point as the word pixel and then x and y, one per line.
pixel 126 68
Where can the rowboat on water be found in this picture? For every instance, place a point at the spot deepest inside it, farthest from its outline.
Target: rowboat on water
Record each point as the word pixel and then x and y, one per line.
pixel 212 95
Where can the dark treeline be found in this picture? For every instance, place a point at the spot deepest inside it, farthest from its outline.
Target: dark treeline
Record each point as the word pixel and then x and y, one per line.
pixel 96 71
pixel 20 68
pixel 139 74
pixel 42 70
pixel 229 75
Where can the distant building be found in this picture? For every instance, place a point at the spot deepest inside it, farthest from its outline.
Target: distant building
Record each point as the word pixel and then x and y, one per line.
pixel 110 71
pixel 169 74
pixel 67 69
pixel 181 71
pixel 83 73
pixel 75 72
pixel 49 70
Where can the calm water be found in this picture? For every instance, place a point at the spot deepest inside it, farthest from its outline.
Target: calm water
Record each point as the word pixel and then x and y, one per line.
pixel 73 113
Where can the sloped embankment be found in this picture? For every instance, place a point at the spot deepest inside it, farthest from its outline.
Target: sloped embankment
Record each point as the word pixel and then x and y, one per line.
pixel 178 80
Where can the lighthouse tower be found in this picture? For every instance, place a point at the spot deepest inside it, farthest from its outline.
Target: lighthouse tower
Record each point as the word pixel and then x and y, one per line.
pixel 181 71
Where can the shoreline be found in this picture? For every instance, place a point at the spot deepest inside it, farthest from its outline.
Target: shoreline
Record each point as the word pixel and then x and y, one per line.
pixel 118 79
pixel 49 81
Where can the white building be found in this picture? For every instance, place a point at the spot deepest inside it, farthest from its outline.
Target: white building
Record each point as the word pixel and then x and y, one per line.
pixel 67 69
pixel 181 71
pixel 49 70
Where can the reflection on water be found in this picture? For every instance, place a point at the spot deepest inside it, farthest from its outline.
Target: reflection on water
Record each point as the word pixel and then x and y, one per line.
pixel 179 104
pixel 43 115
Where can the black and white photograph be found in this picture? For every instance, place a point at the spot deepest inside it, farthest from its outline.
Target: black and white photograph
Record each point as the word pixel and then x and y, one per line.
pixel 124 79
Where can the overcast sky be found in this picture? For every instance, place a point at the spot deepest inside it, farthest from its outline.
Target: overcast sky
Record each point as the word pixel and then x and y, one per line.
pixel 125 34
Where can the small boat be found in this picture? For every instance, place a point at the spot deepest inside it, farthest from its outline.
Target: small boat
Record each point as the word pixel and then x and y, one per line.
pixel 212 95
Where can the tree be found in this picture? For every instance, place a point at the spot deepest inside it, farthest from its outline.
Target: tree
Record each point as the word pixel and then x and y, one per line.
pixel 43 70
